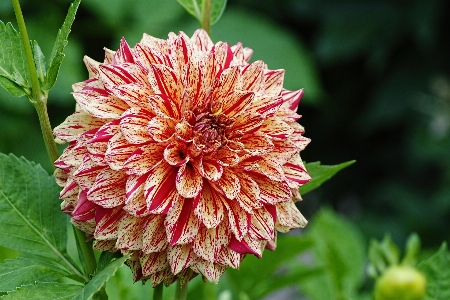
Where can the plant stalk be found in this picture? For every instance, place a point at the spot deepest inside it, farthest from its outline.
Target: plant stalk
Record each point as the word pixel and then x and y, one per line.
pixel 158 292
pixel 181 292
pixel 35 86
pixel 39 101
pixel 206 15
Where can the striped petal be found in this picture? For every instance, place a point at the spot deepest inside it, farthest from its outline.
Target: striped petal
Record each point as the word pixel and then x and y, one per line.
pixel 123 54
pixel 135 203
pixel 238 219
pixel 153 262
pixel 77 124
pixel 161 129
pixel 262 224
pixel 273 80
pixel 85 209
pixel 295 172
pixel 208 243
pixel 159 189
pixel 107 222
pixel 104 107
pixel 228 257
pixel 247 122
pixel 208 206
pixel 154 238
pixel 249 195
pixel 201 39
pixel 163 105
pixel 228 184
pixel 133 124
pixel 188 181
pixel 247 246
pixel 134 94
pixel 108 189
pixel 276 128
pixel 87 172
pixel 163 80
pixel 237 102
pixel 272 192
pixel 130 233
pixel 144 159
pixel 176 154
pixel 252 76
pixel 210 271
pixel 180 257
pixel 118 151
pixel 181 223
pixel 125 73
pixel 210 168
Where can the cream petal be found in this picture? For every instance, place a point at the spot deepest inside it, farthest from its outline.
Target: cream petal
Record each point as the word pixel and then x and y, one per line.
pixel 181 223
pixel 108 189
pixel 189 182
pixel 180 257
pixel 208 206
pixel 133 124
pixel 154 238
pixel 130 233
pixel 159 188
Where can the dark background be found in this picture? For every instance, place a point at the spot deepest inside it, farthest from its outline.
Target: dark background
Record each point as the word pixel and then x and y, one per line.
pixel 377 89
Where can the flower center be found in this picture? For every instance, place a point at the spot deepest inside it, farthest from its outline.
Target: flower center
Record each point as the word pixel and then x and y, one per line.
pixel 211 131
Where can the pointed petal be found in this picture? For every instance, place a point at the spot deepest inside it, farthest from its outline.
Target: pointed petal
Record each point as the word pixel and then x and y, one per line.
pixel 130 233
pixel 276 128
pixel 246 246
pixel 133 124
pixel 228 257
pixel 144 159
pixel 210 271
pixel 209 242
pixel 76 124
pixel 134 94
pixel 295 172
pixel 228 184
pixel 125 73
pixel 180 257
pixel 109 188
pixel 153 262
pixel 247 122
pixel 189 182
pixel 161 276
pixel 135 203
pixel 181 223
pixel 273 81
pixel 201 39
pixel 123 54
pixel 257 144
pixel 163 80
pixel 208 206
pixel 85 209
pixel 292 98
pixel 176 154
pixel 239 219
pixel 154 234
pixel 107 222
pixel 118 151
pixel 104 107
pixel 159 189
pixel 161 129
pixel 252 76
pixel 272 192
pixel 249 195
pixel 262 224
pixel 237 102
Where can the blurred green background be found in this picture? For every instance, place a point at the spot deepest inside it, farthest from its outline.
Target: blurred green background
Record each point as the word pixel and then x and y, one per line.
pixel 376 75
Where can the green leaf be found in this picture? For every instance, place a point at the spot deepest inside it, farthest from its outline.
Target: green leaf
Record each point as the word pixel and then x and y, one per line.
pixel 321 173
pixel 45 291
pixel 412 250
pixel 96 283
pixel 25 271
pixel 382 255
pixel 13 68
pixel 39 61
pixel 194 7
pixel 30 218
pixel 339 248
pixel 437 271
pixel 57 55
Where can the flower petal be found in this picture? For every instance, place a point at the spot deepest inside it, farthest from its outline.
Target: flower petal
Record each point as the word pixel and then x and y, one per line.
pixel 153 262
pixel 130 233
pixel 144 159
pixel 108 189
pixel 180 257
pixel 159 189
pixel 295 172
pixel 154 236
pixel 228 184
pixel 208 206
pixel 77 124
pixel 135 203
pixel 188 181
pixel 107 221
pixel 85 209
pixel 272 192
pixel 210 271
pixel 176 154
pixel 118 151
pixel 239 219
pixel 209 242
pixel 133 124
pixel 163 80
pixel 161 129
pixel 181 223
pixel 273 81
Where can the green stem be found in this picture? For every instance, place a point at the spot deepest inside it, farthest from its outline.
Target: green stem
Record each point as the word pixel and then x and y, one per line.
pixel 85 247
pixel 39 101
pixel 181 292
pixel 158 292
pixel 206 15
pixel 35 87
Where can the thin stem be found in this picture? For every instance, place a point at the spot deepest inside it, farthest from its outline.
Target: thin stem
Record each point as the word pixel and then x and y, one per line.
pixel 46 128
pixel 206 15
pixel 180 292
pixel 90 263
pixel 158 292
pixel 39 101
pixel 35 87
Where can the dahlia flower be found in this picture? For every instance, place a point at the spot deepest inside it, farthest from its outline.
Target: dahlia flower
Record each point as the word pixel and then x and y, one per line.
pixel 182 154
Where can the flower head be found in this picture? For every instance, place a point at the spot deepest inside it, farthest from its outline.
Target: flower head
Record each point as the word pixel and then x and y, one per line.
pixel 183 154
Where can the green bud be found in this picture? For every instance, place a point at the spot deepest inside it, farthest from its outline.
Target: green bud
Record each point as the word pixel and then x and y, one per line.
pixel 400 283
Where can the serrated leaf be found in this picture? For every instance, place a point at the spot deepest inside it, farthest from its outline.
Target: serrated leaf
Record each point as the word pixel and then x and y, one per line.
pixel 30 216
pixel 437 271
pixel 12 61
pixel 26 271
pixel 321 173
pixel 194 7
pixel 45 291
pixel 96 283
pixel 39 61
pixel 57 55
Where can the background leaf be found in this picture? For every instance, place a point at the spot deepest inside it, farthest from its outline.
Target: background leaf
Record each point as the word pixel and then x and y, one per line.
pixel 57 55
pixel 95 284
pixel 194 7
pixel 320 174
pixel 13 67
pixel 45 291
pixel 24 271
pixel 437 271
pixel 30 218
